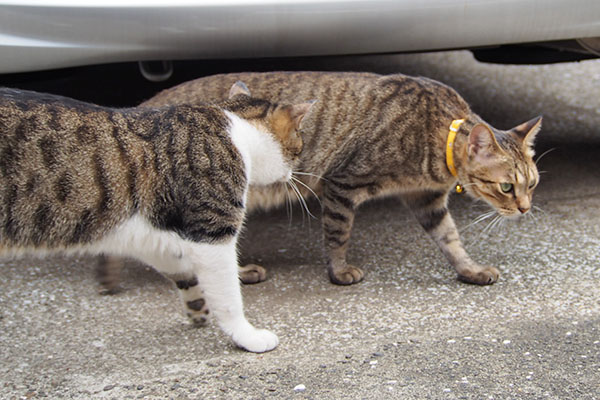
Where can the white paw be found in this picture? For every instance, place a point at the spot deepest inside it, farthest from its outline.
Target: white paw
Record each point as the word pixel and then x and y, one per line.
pixel 255 340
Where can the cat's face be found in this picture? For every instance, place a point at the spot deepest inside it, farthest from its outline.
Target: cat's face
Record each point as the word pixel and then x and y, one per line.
pixel 282 122
pixel 500 168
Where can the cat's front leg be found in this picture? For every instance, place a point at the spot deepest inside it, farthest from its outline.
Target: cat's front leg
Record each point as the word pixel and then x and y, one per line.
pixel 191 295
pixel 216 286
pixel 217 270
pixel 430 208
pixel 338 217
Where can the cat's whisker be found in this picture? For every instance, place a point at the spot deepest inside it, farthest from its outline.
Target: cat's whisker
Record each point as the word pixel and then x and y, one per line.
pixel 303 205
pixel 479 219
pixel 501 224
pixel 543 154
pixel 485 215
pixel 301 198
pixel 532 217
pixel 319 177
pixel 290 185
pixel 492 224
pixel 288 205
pixel 296 180
pixel 487 227
pixel 481 233
pixel 537 208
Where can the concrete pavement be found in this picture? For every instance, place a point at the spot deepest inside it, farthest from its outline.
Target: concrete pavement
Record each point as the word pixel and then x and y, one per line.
pixel 409 331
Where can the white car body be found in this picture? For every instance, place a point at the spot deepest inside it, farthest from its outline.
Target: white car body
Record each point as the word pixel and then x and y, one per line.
pixel 47 34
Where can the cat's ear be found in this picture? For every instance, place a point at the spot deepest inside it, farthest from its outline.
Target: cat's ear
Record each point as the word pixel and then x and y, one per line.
pixel 238 88
pixel 299 111
pixel 482 143
pixel 527 131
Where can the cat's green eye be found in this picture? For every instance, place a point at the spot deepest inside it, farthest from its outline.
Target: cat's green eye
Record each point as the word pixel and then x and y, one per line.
pixel 506 187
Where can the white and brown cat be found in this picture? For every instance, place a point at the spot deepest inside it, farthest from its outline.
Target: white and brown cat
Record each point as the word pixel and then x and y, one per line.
pixel 166 185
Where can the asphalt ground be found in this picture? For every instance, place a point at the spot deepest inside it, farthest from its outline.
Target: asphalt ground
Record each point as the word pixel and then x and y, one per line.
pixel 410 330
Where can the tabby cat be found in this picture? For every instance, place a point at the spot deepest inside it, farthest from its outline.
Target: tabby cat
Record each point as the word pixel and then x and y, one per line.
pixel 167 186
pixel 370 135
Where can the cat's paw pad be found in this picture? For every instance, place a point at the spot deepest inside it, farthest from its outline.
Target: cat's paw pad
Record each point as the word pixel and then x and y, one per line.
pixel 198 320
pixel 345 275
pixel 197 311
pixel 482 276
pixel 256 340
pixel 252 273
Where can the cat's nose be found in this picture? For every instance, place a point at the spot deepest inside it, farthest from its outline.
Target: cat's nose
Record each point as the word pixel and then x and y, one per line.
pixel 523 204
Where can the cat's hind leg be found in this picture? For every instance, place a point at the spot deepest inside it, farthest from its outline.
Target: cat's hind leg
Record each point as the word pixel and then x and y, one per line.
pixel 430 208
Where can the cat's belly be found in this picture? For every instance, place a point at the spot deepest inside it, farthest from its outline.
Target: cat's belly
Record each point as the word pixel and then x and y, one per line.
pixel 137 238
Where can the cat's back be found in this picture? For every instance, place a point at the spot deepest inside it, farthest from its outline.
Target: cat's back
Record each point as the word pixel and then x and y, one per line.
pixel 346 101
pixel 333 90
pixel 31 116
pixel 71 171
pixel 68 169
pixel 27 101
pixel 281 86
pixel 353 109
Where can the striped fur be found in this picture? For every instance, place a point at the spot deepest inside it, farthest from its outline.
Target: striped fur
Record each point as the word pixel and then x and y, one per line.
pixel 167 186
pixel 369 136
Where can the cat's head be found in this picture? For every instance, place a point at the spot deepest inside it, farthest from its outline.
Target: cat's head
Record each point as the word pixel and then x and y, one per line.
pixel 281 121
pixel 499 167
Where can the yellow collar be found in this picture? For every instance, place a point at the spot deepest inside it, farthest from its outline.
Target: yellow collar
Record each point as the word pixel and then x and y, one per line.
pixel 450 145
pixel 450 149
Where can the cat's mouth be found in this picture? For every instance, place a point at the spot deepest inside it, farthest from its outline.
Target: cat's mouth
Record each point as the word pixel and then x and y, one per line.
pixel 509 213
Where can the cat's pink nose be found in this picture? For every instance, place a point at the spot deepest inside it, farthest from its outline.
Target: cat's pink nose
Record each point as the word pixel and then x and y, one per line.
pixel 523 210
